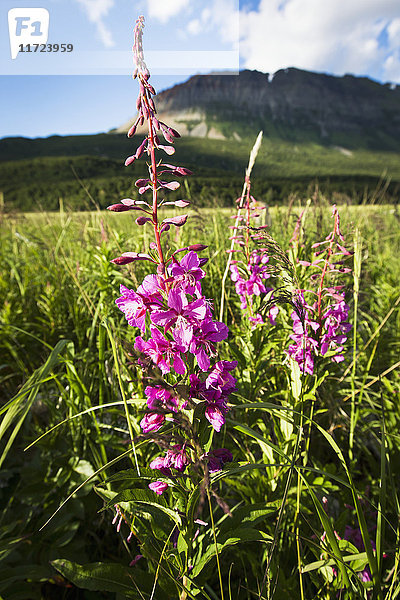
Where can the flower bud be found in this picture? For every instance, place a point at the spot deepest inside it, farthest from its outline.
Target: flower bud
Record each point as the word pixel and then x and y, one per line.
pixel 141 182
pixel 160 270
pixel 167 149
pixel 132 131
pixel 130 160
pixel 118 207
pixel 141 148
pixel 174 132
pixel 152 422
pixel 182 171
pixel 172 185
pixel 197 247
pixel 128 257
pixel 158 487
pixel 167 135
pixel 142 220
pixel 177 221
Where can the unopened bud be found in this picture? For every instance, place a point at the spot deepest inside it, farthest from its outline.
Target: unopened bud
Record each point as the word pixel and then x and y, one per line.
pixel 172 185
pixel 142 220
pixel 118 207
pixel 197 247
pixel 167 135
pixel 173 132
pixel 177 221
pixel 130 160
pixel 167 149
pixel 132 131
pixel 141 182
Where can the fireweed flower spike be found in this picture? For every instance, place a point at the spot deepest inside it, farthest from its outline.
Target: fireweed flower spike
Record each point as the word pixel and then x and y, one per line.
pixel 179 336
pixel 250 270
pixel 323 328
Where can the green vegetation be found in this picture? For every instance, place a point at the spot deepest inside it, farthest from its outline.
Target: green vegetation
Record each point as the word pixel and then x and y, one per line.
pixel 35 174
pixel 57 292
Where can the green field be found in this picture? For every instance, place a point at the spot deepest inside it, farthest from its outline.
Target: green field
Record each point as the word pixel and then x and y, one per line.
pixel 35 174
pixel 60 335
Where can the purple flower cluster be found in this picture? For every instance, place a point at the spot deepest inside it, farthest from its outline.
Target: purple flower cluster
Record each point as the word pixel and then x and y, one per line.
pixel 184 316
pixel 178 332
pixel 335 327
pixel 251 284
pixel 217 459
pixel 180 322
pixel 305 346
pixel 322 328
pixel 182 312
pixel 318 339
pixel 249 275
pixel 214 391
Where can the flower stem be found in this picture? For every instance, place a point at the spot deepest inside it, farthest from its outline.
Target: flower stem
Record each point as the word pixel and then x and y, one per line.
pixel 155 198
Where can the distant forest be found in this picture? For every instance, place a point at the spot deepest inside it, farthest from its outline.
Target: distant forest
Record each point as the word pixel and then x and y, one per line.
pixel 88 171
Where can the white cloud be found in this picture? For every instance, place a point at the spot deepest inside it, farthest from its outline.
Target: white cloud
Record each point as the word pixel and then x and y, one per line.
pixel 392 67
pixel 394 33
pixel 96 11
pixel 163 10
pixel 337 36
pixel 221 15
pixel 194 27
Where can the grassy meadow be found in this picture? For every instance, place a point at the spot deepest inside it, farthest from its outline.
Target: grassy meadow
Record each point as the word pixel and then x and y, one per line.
pixel 312 455
pixel 37 173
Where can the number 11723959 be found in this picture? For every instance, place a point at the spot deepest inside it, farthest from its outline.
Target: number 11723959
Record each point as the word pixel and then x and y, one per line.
pixel 46 47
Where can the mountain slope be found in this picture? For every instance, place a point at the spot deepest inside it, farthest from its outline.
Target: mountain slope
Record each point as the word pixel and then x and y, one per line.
pixel 293 105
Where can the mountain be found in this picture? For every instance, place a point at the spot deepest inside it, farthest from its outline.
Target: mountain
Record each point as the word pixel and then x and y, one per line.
pixel 292 105
pixel 342 133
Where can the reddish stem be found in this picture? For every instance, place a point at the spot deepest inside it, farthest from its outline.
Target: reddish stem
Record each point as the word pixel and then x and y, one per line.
pixel 321 283
pixel 247 217
pixel 154 184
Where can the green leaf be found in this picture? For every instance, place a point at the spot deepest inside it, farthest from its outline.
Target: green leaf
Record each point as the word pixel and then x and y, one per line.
pixel 360 559
pixel 241 534
pixel 246 515
pixel 9 576
pixel 295 374
pixel 257 436
pixel 182 544
pixel 145 501
pixel 106 577
pixel 330 534
pixel 20 405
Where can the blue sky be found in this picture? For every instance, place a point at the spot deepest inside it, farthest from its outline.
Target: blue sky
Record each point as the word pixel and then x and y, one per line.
pixel 334 36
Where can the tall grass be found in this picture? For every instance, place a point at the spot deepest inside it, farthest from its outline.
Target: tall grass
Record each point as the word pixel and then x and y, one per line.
pixel 312 455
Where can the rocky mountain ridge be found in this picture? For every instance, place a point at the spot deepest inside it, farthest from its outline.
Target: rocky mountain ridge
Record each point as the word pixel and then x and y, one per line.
pixel 293 105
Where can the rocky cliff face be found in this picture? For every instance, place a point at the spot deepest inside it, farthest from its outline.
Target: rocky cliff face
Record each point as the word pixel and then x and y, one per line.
pixel 293 105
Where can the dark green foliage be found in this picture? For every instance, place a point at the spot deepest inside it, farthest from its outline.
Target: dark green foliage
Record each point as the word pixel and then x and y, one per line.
pixel 35 174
